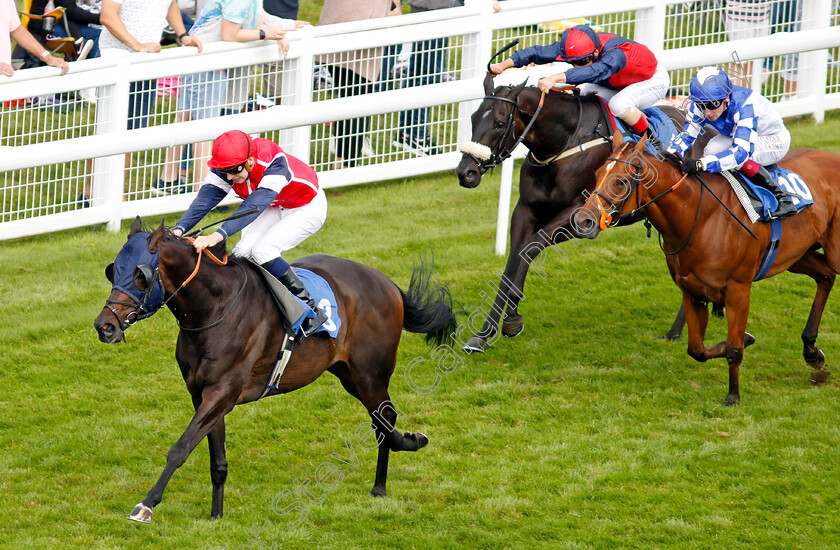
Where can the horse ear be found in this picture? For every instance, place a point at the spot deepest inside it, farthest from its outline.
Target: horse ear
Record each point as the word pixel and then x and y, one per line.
pixel 489 86
pixel 518 89
pixel 136 227
pixel 640 146
pixel 155 238
pixel 618 140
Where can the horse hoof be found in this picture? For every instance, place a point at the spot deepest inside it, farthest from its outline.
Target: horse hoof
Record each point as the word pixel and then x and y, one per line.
pixel 731 400
pixel 378 492
pixel 475 344
pixel 419 438
pixel 749 339
pixel 513 327
pixel 670 337
pixel 141 514
pixel 815 358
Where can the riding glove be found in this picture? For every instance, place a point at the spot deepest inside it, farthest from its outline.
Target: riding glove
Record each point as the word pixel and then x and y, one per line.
pixel 691 166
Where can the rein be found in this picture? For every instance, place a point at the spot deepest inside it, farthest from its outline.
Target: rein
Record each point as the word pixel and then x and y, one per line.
pixel 606 219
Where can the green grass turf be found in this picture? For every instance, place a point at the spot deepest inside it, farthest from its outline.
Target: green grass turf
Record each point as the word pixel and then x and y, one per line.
pixel 584 432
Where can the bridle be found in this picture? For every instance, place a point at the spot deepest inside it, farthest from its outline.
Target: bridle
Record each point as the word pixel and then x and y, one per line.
pixel 503 148
pixel 153 277
pixel 606 219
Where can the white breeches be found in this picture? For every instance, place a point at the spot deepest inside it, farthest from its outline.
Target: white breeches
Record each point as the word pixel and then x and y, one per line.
pixel 639 94
pixel 277 230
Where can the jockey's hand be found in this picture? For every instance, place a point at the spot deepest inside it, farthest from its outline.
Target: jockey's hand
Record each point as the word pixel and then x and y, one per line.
pixel 547 82
pixel 177 232
pixel 691 166
pixel 499 68
pixel 208 241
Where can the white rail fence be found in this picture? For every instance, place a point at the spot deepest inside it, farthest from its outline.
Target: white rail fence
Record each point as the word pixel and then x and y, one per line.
pixel 52 153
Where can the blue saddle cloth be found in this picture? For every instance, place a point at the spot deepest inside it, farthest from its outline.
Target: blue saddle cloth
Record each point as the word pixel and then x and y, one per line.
pixel 790 182
pixel 323 295
pixel 661 124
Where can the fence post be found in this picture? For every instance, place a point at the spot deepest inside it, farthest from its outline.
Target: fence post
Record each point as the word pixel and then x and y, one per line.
pixel 300 87
pixel 650 26
pixel 111 117
pixel 813 70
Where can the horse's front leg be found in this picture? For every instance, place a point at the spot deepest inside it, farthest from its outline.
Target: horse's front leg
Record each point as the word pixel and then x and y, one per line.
pixel 522 227
pixel 533 255
pixel 738 311
pixel 216 402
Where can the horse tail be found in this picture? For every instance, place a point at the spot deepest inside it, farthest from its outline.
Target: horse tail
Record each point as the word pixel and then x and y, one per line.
pixel 427 307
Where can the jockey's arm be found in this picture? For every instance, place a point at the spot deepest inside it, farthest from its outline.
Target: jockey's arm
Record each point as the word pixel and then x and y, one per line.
pixel 539 55
pixel 606 66
pixel 694 123
pixel 744 138
pixel 208 197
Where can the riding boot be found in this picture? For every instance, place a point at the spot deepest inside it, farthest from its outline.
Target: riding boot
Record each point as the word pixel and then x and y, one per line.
pixel 762 178
pixel 295 285
pixel 286 275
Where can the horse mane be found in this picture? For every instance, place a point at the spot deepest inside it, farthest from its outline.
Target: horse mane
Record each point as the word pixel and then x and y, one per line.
pixel 218 250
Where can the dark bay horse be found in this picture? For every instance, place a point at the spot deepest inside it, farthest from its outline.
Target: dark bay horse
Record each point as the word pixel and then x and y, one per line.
pixel 711 257
pixel 568 141
pixel 231 333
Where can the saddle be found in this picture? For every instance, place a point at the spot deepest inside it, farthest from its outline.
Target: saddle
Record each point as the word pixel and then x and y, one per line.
pixel 759 202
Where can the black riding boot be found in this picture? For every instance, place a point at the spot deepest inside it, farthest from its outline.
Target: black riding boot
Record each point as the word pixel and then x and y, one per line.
pixel 295 285
pixel 286 275
pixel 762 178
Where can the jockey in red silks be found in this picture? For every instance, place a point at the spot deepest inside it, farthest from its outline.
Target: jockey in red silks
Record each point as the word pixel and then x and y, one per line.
pixel 625 73
pixel 291 207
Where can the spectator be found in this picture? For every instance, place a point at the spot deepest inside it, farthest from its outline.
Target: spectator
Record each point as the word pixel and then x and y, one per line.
pixel 10 23
pixel 203 94
pixel 427 65
pixel 83 18
pixel 137 26
pixel 281 13
pixel 788 16
pixel 744 19
pixel 354 72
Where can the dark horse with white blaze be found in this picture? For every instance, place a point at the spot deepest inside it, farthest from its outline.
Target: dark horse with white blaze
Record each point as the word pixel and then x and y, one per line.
pixel 232 331
pixel 711 255
pixel 569 137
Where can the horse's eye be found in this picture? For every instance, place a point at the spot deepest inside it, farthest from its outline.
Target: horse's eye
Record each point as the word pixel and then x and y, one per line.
pixel 142 275
pixel 500 124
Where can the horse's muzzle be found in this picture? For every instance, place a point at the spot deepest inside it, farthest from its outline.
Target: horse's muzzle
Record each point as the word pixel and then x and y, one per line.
pixel 108 328
pixel 585 223
pixel 468 172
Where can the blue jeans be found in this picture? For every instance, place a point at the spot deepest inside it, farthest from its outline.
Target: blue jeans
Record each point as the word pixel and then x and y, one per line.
pixel 426 66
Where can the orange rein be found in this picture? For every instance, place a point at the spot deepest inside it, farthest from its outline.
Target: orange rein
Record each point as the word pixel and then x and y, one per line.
pixel 210 255
pixel 606 219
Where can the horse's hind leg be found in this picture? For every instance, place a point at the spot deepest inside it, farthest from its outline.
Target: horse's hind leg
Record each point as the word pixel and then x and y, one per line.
pixel 814 265
pixel 373 393
pixel 218 467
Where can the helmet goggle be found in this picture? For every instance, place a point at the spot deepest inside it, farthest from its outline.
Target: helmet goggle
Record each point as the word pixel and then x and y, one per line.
pixel 582 61
pixel 233 170
pixel 709 105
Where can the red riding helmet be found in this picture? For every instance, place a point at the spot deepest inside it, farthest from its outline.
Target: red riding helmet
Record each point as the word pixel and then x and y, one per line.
pixel 578 42
pixel 230 149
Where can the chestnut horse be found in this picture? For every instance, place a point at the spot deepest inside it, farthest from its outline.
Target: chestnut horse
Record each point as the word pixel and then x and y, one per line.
pixel 568 140
pixel 232 331
pixel 714 258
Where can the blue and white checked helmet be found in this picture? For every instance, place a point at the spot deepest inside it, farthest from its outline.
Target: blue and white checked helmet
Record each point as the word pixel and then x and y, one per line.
pixel 709 87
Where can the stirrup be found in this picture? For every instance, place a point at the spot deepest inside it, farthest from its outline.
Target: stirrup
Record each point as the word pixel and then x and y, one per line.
pixel 785 210
pixel 312 324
